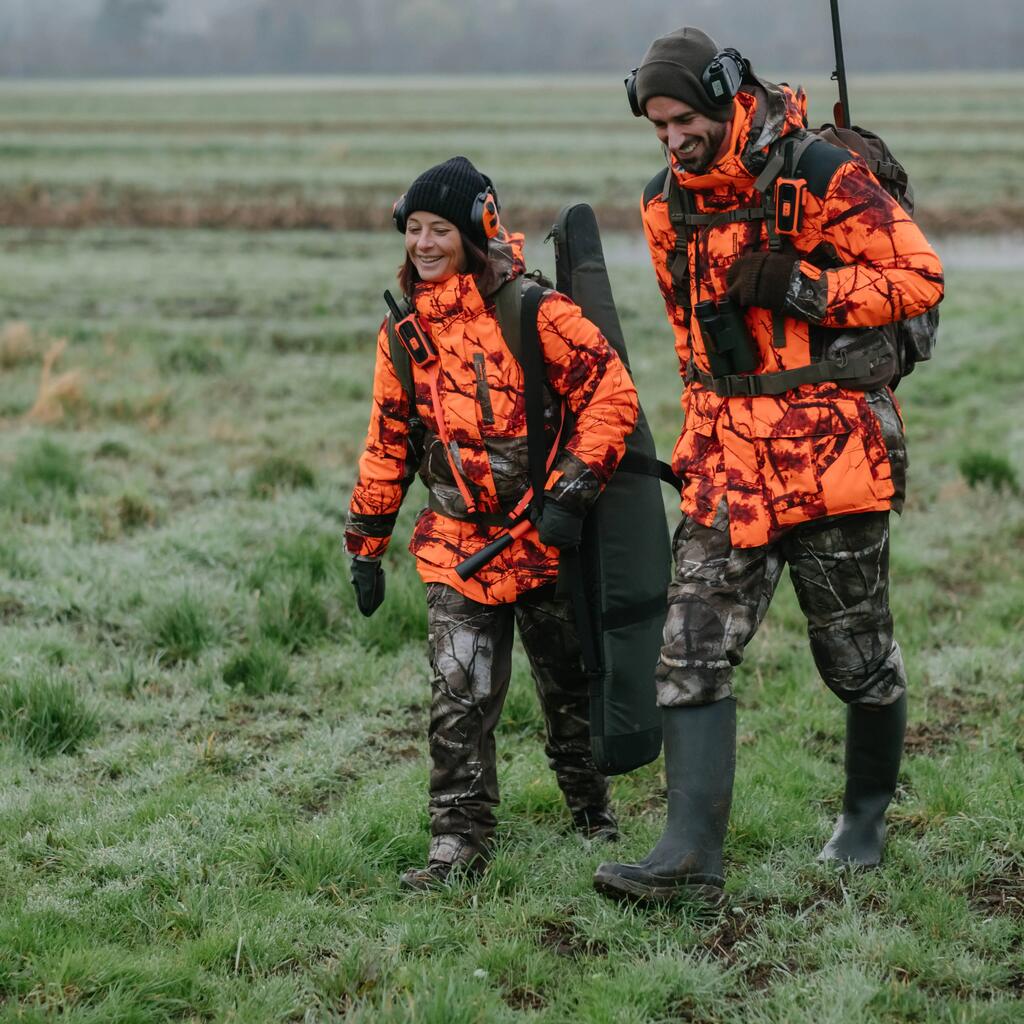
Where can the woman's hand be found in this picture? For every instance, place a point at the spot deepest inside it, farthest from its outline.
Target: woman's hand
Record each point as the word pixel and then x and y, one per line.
pixel 368 579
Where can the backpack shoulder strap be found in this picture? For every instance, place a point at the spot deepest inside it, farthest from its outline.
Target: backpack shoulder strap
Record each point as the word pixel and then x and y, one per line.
pixel 802 155
pixel 534 381
pixel 817 164
pixel 508 308
pixel 655 187
pixel 400 360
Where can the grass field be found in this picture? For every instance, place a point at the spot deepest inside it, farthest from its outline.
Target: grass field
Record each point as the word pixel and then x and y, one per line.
pixel 212 769
pixel 337 152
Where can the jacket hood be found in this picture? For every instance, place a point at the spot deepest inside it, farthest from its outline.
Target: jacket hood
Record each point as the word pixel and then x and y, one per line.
pixel 505 255
pixel 764 112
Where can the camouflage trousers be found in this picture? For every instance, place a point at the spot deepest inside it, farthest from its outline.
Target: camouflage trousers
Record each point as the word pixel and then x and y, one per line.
pixel 471 656
pixel 720 594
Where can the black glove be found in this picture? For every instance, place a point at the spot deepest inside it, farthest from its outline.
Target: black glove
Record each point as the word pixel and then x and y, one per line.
pixel 368 579
pixel 761 279
pixel 558 527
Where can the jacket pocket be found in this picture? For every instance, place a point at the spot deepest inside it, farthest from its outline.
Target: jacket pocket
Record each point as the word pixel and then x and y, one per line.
pixel 796 453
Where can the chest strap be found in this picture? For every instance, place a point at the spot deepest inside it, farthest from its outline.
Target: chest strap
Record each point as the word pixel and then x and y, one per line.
pixel 847 366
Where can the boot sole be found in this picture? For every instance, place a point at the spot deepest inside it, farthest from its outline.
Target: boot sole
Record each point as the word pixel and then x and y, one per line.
pixel 626 890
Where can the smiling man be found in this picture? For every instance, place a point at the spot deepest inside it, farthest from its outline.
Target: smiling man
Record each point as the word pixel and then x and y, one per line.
pixel 791 451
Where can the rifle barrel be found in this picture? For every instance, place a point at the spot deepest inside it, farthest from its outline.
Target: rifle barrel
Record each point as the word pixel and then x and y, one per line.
pixel 837 37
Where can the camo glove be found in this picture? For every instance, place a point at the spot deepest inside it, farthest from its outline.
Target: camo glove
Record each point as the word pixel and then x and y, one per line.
pixel 368 579
pixel 761 279
pixel 557 527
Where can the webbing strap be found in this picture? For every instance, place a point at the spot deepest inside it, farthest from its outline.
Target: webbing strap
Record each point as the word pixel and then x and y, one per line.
pixel 714 220
pixel 533 392
pixel 679 261
pixel 451 449
pixel 753 385
pixel 508 309
pixel 645 465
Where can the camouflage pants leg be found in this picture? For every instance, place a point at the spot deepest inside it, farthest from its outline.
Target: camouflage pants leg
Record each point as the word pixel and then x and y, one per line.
pixel 548 631
pixel 471 656
pixel 717 599
pixel 720 594
pixel 840 571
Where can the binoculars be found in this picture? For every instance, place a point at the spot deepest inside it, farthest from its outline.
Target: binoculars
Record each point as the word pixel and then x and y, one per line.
pixel 726 340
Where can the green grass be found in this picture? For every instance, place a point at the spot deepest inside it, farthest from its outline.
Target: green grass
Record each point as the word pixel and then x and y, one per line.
pixel 213 769
pixel 337 152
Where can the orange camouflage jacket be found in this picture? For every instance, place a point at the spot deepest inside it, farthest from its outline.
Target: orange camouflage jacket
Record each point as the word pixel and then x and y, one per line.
pixel 481 391
pixel 817 450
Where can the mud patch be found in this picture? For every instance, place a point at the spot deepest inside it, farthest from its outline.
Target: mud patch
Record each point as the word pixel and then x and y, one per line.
pixel 947 723
pixel 1001 895
pixel 562 938
pixel 522 997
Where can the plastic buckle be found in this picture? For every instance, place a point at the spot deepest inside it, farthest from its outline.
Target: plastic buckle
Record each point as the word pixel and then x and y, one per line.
pixel 740 387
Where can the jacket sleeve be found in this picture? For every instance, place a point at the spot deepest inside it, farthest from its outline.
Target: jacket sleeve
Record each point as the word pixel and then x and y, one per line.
pixel 661 241
pixel 584 368
pixel 387 465
pixel 890 271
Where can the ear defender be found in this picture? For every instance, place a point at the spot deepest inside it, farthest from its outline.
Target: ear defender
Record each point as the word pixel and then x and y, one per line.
pixel 485 213
pixel 630 83
pixel 398 213
pixel 723 77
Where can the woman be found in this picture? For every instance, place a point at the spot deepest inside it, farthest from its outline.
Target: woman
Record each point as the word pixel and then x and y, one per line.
pixel 465 432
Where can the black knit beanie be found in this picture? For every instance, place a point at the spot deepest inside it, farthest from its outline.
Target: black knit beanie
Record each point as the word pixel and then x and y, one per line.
pixel 450 190
pixel 673 66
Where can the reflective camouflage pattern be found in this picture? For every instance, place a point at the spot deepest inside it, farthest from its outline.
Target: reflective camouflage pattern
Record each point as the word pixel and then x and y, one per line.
pixel 818 450
pixel 481 390
pixel 720 594
pixel 470 652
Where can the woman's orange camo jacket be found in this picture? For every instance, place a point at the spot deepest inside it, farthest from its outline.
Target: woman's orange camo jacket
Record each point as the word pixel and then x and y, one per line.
pixel 817 450
pixel 481 390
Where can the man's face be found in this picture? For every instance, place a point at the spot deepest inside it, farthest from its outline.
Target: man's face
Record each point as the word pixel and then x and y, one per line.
pixel 692 138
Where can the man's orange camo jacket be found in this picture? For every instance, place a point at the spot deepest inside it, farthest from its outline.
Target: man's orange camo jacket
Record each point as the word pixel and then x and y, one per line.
pixel 481 390
pixel 818 450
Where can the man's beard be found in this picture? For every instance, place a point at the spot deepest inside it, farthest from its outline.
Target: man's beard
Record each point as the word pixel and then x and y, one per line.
pixel 708 149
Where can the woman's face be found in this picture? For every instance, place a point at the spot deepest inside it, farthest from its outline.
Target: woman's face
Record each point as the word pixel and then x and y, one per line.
pixel 434 245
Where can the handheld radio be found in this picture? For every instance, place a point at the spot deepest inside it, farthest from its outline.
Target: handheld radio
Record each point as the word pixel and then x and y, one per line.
pixel 410 334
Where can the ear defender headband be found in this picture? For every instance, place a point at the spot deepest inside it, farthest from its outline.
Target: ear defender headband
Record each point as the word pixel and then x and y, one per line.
pixel 721 80
pixel 483 217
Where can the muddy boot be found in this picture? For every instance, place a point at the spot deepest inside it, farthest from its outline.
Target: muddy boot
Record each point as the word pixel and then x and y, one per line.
pixel 700 760
pixel 449 857
pixel 596 823
pixel 874 743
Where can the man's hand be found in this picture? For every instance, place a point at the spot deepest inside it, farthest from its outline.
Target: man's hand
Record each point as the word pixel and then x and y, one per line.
pixel 368 579
pixel 761 279
pixel 557 527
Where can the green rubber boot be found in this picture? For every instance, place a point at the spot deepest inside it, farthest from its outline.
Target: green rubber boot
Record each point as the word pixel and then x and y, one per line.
pixel 700 761
pixel 874 745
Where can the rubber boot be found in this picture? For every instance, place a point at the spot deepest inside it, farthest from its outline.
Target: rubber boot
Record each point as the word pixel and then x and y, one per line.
pixel 700 762
pixel 874 743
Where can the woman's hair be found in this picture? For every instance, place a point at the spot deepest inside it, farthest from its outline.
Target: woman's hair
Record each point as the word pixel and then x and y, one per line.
pixel 477 264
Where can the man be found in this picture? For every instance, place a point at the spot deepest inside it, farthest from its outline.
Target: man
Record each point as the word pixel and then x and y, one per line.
pixel 779 465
